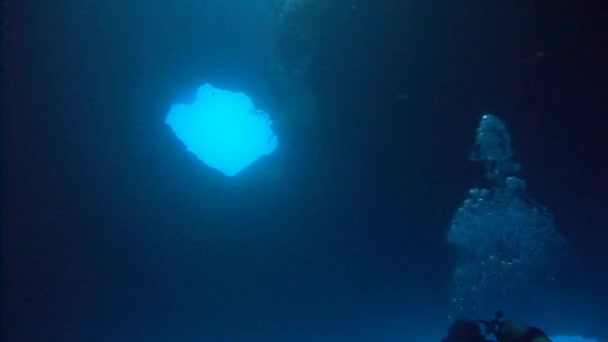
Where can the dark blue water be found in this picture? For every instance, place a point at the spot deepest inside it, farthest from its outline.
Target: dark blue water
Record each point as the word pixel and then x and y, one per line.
pixel 114 232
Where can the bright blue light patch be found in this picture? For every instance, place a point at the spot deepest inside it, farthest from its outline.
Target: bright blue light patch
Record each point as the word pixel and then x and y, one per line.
pixel 572 339
pixel 223 129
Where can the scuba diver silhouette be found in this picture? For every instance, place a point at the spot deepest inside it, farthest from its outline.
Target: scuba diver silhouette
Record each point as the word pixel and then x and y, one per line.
pixel 463 330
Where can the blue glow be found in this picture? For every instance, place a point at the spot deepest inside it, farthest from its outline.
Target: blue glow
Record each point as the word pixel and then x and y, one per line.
pixel 572 339
pixel 223 129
